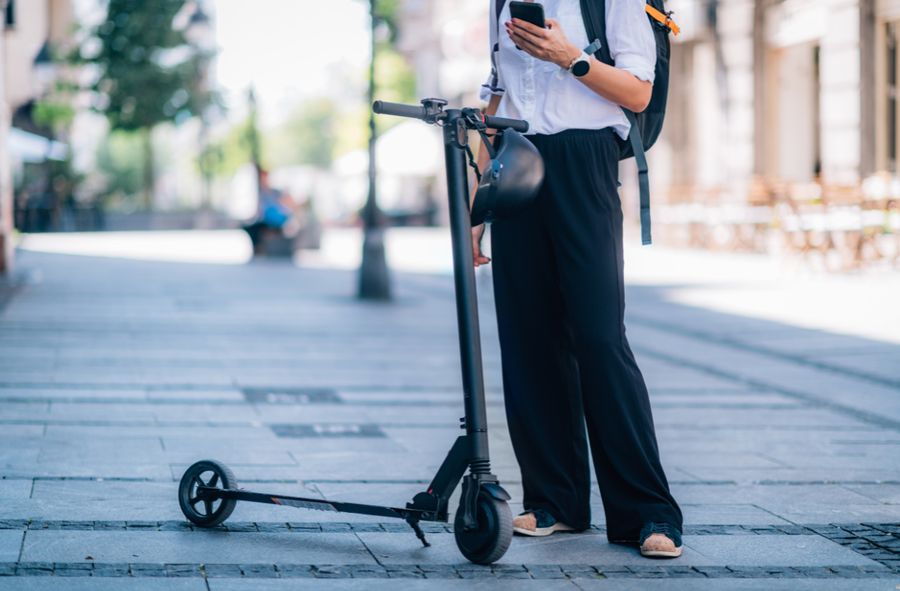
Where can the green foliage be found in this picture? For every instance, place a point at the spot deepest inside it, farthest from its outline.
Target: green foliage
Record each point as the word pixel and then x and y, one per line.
pixel 121 159
pixel 307 137
pixel 386 14
pixel 233 150
pixel 53 114
pixel 148 72
pixel 394 78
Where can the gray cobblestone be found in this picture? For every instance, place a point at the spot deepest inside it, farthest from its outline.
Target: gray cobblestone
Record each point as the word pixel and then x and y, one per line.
pixel 332 572
pixel 183 570
pixel 369 527
pixel 404 572
pixel 304 526
pixel 102 569
pixel 272 527
pixel 336 527
pixel 241 527
pixel 215 571
pixel 465 571
pixel 713 571
pixel 547 571
pixel 395 527
pixel 259 571
pixel 76 525
pixel 32 569
pixel 580 571
pixel 110 525
pixel 365 571
pixel 815 572
pixel 295 571
pixel 649 572
pixel 73 569
pixel 475 573
pixel 148 570
pixel 439 571
pixel 681 572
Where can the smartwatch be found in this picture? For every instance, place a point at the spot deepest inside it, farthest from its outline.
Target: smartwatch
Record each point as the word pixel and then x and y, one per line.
pixel 581 65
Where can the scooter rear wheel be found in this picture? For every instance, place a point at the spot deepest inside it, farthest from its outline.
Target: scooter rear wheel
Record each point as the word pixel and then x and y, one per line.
pixel 199 508
pixel 488 542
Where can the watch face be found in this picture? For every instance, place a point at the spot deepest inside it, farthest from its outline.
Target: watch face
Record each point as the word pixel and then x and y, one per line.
pixel 581 68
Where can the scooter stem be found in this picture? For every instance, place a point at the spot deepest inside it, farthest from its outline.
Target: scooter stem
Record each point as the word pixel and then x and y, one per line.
pixel 466 298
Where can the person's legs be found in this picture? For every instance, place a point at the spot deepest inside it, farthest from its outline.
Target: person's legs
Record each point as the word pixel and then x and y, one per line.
pixel 540 380
pixel 586 222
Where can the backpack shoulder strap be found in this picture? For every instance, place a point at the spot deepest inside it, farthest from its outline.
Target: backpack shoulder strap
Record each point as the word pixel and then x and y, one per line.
pixel 494 34
pixel 494 31
pixel 594 14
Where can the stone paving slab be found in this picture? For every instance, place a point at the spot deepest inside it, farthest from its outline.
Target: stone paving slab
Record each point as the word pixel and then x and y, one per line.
pixel 830 513
pixel 390 585
pixel 10 545
pixel 199 546
pixel 105 584
pixel 770 584
pixel 728 514
pixel 769 550
pixel 586 548
pixel 147 376
pixel 15 489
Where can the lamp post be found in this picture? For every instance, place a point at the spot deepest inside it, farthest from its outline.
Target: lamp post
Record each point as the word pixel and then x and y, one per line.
pixel 199 33
pixel 374 277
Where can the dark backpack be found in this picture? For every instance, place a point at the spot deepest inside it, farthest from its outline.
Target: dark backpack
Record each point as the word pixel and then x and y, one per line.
pixel 646 125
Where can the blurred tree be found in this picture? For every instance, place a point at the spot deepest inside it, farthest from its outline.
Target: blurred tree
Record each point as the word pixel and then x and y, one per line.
pixel 307 137
pixel 120 158
pixel 147 72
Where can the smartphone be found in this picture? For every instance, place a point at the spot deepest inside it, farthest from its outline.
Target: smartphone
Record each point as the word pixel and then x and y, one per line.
pixel 533 12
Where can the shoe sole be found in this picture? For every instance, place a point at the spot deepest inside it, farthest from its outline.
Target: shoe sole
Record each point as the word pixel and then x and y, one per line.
pixel 662 553
pixel 543 531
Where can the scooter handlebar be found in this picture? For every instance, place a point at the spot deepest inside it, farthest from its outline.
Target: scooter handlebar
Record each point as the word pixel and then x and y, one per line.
pixel 399 109
pixel 419 112
pixel 519 125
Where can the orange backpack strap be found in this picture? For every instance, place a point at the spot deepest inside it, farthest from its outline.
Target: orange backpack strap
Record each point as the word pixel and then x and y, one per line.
pixel 663 19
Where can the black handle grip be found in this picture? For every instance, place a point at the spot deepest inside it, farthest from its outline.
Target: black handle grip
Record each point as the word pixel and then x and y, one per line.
pixel 399 109
pixel 504 123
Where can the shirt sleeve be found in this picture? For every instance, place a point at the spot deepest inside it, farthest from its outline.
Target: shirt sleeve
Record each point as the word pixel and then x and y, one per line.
pixel 494 84
pixel 630 36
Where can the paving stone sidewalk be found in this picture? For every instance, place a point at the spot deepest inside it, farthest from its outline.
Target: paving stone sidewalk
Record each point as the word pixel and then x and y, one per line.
pixel 781 443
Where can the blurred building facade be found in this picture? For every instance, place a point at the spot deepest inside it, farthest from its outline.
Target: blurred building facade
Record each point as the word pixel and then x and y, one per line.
pixel 768 98
pixel 31 29
pixel 781 90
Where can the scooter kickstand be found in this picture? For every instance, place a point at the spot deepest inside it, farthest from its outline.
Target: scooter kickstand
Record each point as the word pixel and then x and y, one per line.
pixel 414 523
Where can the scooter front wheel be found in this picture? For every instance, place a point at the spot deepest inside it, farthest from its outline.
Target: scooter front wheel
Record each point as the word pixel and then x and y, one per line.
pixel 489 541
pixel 199 507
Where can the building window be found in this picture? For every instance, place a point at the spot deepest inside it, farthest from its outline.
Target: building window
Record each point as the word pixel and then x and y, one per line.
pixel 10 19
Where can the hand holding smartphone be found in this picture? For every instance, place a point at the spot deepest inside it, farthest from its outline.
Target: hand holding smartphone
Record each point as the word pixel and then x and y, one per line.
pixel 532 12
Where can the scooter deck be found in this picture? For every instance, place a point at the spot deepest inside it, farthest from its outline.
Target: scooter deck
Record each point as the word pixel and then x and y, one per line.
pixel 319 504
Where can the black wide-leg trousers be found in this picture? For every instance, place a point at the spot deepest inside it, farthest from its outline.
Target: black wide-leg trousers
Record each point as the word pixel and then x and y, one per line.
pixel 567 365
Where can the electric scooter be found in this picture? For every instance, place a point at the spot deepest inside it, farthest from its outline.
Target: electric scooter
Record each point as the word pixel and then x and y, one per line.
pixel 208 492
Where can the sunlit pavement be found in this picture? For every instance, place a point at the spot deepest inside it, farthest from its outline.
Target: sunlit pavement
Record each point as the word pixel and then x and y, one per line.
pixel 125 357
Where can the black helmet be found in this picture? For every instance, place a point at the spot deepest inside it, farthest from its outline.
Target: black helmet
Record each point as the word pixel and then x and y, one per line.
pixel 511 182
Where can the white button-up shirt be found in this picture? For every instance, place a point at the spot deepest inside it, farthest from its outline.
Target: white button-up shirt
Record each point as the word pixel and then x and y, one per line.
pixel 552 101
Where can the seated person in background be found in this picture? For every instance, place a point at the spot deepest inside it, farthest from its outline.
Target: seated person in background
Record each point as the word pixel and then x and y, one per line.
pixel 274 212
